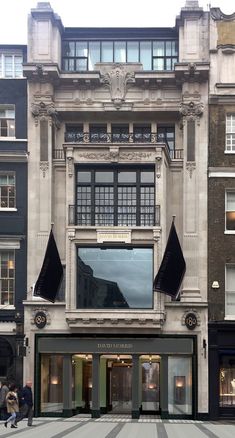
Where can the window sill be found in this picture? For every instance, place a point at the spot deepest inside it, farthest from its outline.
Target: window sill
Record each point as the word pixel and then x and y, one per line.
pixel 7 307
pixel 7 209
pixel 229 318
pixel 229 232
pixel 8 138
pixel 229 152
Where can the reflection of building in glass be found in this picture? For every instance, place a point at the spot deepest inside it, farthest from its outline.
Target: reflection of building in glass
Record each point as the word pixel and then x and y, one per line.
pixel 96 292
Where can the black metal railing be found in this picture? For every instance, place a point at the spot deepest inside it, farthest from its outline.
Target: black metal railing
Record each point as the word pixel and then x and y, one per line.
pixel 76 217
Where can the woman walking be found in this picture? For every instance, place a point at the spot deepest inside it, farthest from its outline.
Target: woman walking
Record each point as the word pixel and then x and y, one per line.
pixel 12 406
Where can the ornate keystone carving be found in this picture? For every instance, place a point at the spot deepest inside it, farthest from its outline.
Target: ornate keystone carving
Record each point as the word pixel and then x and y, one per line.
pixel 114 154
pixel 42 110
pixel 117 81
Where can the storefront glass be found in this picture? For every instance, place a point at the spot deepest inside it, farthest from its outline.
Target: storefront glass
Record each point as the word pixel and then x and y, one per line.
pixel 150 383
pixel 51 383
pixel 179 385
pixel 227 381
pixel 82 382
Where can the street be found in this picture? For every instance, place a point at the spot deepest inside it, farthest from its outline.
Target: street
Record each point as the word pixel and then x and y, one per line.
pixel 119 426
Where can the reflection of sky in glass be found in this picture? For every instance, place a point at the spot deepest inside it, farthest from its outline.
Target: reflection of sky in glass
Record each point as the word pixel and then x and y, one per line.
pixel 131 269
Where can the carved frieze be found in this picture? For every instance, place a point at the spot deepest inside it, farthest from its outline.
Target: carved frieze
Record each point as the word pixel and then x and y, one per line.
pixel 190 166
pixel 114 155
pixel 117 80
pixel 44 110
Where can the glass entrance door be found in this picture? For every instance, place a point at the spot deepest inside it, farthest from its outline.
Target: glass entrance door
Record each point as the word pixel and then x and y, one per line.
pixel 150 367
pixel 121 386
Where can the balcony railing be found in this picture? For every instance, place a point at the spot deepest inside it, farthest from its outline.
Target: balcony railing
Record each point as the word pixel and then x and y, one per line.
pixel 77 218
pixel 153 138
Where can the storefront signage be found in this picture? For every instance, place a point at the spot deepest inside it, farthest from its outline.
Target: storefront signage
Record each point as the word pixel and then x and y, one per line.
pixel 111 346
pixel 113 236
pixel 40 319
pixel 191 321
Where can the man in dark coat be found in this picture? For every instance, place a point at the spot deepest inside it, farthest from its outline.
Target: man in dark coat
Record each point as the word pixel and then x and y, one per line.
pixel 26 403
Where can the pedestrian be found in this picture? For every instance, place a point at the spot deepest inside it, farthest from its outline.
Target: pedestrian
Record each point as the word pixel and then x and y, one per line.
pixel 3 406
pixel 26 403
pixel 12 406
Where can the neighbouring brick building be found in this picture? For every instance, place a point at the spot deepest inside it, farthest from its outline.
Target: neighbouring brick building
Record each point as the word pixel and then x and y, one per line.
pixel 221 215
pixel 13 209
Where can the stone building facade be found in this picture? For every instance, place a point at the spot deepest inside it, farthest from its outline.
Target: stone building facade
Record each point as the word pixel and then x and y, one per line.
pixel 116 129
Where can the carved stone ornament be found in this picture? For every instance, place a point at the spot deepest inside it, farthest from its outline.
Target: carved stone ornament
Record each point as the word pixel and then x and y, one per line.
pixel 117 80
pixel 40 317
pixel 191 110
pixel 44 166
pixel 191 319
pixel 109 156
pixel 40 74
pixel 70 166
pixel 47 111
pixel 217 14
pixel 190 166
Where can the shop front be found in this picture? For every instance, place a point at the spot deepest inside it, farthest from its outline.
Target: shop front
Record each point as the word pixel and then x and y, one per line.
pixel 154 375
pixel 222 369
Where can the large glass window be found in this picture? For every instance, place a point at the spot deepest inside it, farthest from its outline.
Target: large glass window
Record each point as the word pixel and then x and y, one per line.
pixel 230 290
pixel 180 385
pixel 7 190
pixel 123 197
pixel 7 121
pixel 51 383
pixel 227 380
pixel 230 133
pixel 114 278
pixel 230 210
pixel 154 55
pixel 7 277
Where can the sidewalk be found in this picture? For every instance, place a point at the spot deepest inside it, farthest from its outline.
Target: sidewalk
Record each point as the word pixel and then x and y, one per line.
pixel 118 426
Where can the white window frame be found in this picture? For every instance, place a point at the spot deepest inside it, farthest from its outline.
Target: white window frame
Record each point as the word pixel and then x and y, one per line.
pixel 229 314
pixel 7 114
pixel 8 207
pixel 14 64
pixel 230 134
pixel 227 210
pixel 8 278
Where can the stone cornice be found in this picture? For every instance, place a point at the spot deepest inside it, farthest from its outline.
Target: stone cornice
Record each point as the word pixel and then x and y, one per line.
pixel 217 14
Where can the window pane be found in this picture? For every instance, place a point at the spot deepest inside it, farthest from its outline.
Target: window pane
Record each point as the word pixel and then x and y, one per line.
pixel 231 201
pixel 146 55
pixel 158 64
pixel 81 64
pixel 147 177
pixel 106 274
pixel 8 66
pixel 180 385
pixel 106 51
pixel 119 51
pixel 158 48
pixel 83 176
pixel 104 177
pixel 126 177
pixel 132 51
pixel 81 48
pixel 94 54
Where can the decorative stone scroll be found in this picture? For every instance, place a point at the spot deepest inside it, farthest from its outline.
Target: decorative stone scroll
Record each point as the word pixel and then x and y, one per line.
pixel 217 14
pixel 42 110
pixel 117 81
pixel 191 110
pixel 44 166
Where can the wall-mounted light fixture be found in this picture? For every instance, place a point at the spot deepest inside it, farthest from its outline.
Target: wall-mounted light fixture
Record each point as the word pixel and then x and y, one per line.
pixel 215 285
